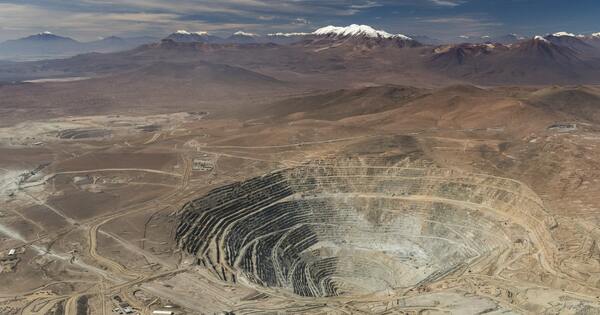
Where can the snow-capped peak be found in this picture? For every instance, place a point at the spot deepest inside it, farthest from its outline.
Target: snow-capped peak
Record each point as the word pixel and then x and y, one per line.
pixel 184 32
pixel 288 34
pixel 563 34
pixel 596 35
pixel 357 30
pixel 242 33
pixel 46 33
pixel 540 38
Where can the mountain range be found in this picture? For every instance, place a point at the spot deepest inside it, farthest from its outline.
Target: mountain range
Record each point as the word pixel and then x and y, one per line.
pixel 503 39
pixel 364 31
pixel 46 45
pixel 329 32
pixel 355 55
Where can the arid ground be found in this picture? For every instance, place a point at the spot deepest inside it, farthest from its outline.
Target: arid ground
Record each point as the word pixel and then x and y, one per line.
pixel 325 185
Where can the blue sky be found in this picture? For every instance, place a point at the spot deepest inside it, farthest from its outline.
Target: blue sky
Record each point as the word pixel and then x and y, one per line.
pixel 443 19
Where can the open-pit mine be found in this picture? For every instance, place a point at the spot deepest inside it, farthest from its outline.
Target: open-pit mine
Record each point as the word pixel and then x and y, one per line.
pixel 352 230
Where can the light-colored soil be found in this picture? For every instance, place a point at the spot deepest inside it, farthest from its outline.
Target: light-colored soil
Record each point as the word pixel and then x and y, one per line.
pixel 98 217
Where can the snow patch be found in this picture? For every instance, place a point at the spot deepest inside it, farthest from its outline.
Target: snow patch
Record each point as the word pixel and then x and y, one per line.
pixel 184 32
pixel 242 33
pixel 541 38
pixel 288 34
pixel 563 34
pixel 357 30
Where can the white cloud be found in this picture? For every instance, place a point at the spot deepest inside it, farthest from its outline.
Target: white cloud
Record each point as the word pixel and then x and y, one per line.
pixel 23 20
pixel 366 5
pixel 447 3
pixel 301 21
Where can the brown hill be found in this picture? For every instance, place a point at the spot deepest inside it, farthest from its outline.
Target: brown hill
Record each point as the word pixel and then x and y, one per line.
pixel 344 103
pixel 582 103
pixel 536 61
pixel 464 107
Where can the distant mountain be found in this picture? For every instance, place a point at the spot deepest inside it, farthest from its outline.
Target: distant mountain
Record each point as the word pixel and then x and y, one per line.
pixel 111 40
pixel 356 34
pixel 538 49
pixel 356 31
pixel 466 39
pixel 545 50
pixel 183 36
pixel 205 74
pixel 534 60
pixel 241 37
pixel 114 43
pixel 572 41
pixel 593 39
pixel 356 55
pixel 359 35
pixel 286 38
pixel 502 39
pixel 507 39
pixel 47 45
pixel 45 37
pixel 460 54
pixel 426 40
pixel 42 44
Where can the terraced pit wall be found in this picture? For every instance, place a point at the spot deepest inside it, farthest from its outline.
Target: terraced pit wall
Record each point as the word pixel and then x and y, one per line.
pixel 347 229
